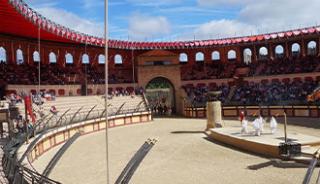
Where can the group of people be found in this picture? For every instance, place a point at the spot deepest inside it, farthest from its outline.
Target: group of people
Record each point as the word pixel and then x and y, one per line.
pixel 274 93
pixel 258 125
pixel 14 99
pixel 286 66
pixel 198 95
pixel 125 92
pixel 161 109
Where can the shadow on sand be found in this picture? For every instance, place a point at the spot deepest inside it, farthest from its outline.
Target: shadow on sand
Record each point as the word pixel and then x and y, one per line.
pixel 272 161
pixel 187 132
pixel 278 164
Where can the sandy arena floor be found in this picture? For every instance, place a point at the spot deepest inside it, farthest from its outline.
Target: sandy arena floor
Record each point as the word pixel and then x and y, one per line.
pixel 182 155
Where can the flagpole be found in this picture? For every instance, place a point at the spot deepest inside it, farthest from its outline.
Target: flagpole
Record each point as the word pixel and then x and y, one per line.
pixel 106 38
pixel 39 63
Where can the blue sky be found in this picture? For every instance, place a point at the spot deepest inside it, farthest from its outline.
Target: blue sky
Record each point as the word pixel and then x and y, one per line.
pixel 167 20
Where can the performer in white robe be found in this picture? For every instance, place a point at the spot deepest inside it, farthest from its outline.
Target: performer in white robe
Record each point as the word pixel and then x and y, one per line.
pixel 261 121
pixel 256 125
pixel 273 125
pixel 244 125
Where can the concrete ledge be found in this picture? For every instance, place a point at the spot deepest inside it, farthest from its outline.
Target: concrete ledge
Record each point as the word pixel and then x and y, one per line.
pixel 60 135
pixel 267 144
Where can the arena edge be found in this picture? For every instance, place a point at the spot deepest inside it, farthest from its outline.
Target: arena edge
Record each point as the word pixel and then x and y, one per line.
pixel 60 135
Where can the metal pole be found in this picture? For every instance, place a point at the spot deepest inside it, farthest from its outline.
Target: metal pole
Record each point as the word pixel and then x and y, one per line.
pixel 39 70
pixel 85 68
pixel 26 122
pixel 285 128
pixel 133 71
pixel 106 38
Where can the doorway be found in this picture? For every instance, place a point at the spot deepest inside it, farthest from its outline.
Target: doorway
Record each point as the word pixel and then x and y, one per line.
pixel 161 96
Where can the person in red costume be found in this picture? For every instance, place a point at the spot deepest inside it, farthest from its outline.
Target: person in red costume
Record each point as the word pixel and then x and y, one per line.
pixel 241 117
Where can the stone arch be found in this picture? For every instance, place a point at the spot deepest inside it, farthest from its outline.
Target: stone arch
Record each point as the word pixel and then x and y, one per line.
pixel 101 59
pixel 232 55
pixel 295 49
pixel 263 53
pixel 199 57
pixel 85 59
pixel 19 56
pixel 160 90
pixel 215 56
pixel 69 58
pixel 52 57
pixel 247 56
pixel 279 51
pixel 312 48
pixel 183 58
pixel 118 59
pixel 36 57
pixel 3 55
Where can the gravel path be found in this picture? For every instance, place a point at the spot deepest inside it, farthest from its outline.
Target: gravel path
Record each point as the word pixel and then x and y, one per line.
pixel 182 155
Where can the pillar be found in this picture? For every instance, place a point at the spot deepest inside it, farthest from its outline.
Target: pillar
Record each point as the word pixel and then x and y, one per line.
pixel 287 51
pixel 303 48
pixel 271 51
pixel 214 115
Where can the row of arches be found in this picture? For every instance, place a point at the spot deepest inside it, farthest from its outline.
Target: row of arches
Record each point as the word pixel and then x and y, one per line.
pixel 53 57
pixel 263 53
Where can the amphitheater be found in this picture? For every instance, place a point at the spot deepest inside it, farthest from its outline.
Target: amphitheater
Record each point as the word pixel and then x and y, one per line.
pixel 60 117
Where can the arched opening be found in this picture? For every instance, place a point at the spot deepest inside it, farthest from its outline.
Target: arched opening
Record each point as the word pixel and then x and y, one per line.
pixel 101 59
pixel 312 48
pixel 19 55
pixel 118 59
pixel 295 50
pixel 3 55
pixel 85 59
pixel 232 55
pixel 215 56
pixel 183 58
pixel 199 57
pixel 69 58
pixel 263 53
pixel 247 56
pixel 279 50
pixel 161 96
pixel 52 57
pixel 36 57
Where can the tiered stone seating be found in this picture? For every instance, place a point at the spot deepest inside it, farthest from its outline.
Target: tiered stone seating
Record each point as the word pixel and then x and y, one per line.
pixel 69 106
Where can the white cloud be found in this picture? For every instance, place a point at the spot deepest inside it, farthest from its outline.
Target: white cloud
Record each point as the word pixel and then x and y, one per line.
pixel 192 9
pixel 72 21
pixel 281 15
pixel 49 9
pixel 223 28
pixel 258 17
pixel 153 2
pixel 144 26
pixel 93 4
pixel 223 2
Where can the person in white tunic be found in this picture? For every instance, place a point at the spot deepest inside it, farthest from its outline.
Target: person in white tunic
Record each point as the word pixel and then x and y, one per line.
pixel 273 125
pixel 261 121
pixel 256 125
pixel 244 125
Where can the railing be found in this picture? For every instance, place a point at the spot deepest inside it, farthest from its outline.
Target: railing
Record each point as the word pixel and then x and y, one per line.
pixel 79 116
pixel 14 170
pixel 19 174
pixel 234 111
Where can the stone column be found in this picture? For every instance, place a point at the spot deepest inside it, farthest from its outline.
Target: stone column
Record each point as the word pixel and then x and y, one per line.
pixel 214 115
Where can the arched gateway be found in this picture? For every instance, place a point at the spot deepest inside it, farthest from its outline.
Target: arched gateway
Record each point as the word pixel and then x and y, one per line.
pixel 161 96
pixel 159 73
